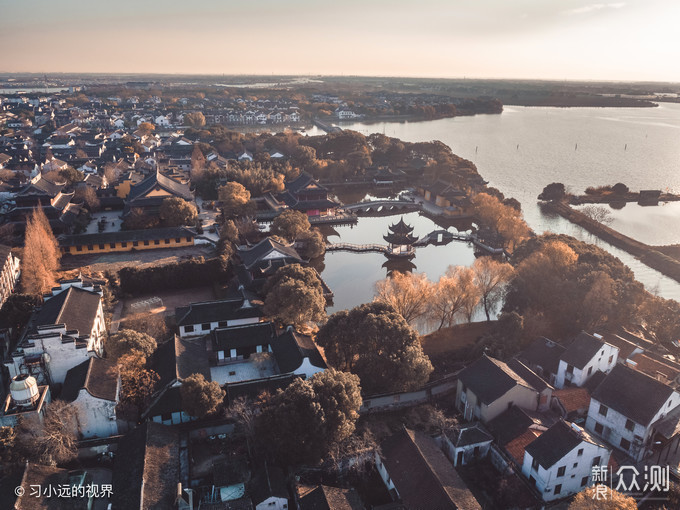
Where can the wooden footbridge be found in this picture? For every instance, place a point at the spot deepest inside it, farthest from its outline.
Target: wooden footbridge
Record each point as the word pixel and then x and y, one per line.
pixel 437 237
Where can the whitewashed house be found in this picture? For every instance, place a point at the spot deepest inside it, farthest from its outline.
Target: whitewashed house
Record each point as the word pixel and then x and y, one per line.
pixel 489 386
pixel 9 272
pixel 466 443
pixel 93 387
pixel 582 358
pixel 559 463
pixel 201 318
pixel 625 407
pixel 68 329
pixel 162 121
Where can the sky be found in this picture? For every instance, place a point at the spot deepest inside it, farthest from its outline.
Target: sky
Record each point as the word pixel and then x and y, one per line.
pixel 529 39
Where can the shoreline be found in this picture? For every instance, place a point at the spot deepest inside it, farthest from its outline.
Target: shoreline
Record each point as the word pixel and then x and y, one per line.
pixel 651 256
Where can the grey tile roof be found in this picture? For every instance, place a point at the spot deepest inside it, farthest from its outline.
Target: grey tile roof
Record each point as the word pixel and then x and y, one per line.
pixel 98 376
pixel 544 353
pixel 249 335
pixel 216 311
pixel 252 256
pixel 582 350
pixel 510 424
pixel 75 307
pixel 129 236
pixel 291 348
pixel 158 180
pixel 536 382
pixel 422 474
pixel 490 379
pixel 146 468
pixel 634 394
pixel 556 442
pixel 468 435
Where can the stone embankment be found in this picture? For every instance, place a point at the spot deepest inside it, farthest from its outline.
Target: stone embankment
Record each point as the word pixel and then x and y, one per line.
pixel 649 255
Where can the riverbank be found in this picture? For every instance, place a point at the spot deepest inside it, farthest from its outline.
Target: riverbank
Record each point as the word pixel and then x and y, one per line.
pixel 614 198
pixel 649 255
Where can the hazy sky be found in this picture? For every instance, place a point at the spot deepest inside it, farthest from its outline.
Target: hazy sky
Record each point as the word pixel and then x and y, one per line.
pixel 549 39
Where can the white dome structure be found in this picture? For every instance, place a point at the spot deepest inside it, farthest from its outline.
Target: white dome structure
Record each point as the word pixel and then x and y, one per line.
pixel 24 390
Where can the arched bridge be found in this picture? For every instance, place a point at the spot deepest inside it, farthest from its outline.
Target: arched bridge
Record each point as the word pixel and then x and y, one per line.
pixel 383 206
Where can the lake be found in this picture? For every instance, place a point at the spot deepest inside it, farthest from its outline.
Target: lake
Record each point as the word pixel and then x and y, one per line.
pixel 524 148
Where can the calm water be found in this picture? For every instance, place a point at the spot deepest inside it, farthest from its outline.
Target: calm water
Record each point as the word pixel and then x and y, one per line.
pixel 352 276
pixel 523 149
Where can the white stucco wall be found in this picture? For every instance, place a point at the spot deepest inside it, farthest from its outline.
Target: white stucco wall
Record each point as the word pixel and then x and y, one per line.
pixel 614 426
pixel 577 469
pixel 96 416
pixel 580 376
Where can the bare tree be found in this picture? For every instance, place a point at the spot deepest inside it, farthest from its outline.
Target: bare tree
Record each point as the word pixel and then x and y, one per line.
pixel 491 277
pixel 450 295
pixel 409 294
pixel 54 440
pixel 598 213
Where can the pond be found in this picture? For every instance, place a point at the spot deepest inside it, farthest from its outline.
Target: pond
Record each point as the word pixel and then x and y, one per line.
pixel 352 276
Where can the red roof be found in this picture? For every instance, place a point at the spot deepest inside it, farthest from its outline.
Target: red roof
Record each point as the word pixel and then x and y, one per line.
pixel 573 399
pixel 517 446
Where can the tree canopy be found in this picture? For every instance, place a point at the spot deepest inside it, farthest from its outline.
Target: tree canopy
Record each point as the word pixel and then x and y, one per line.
pixel 290 225
pixel 375 342
pixel 177 212
pixel 201 398
pixel 304 421
pixel 234 198
pixel 294 295
pixel 127 340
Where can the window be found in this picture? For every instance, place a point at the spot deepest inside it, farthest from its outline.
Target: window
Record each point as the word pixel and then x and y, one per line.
pixel 222 324
pixel 167 241
pixel 630 425
pixel 157 242
pixel 135 243
pixel 205 326
pixel 596 461
pixel 584 481
pixel 570 369
pixel 603 410
pixel 101 246
pixel 178 240
pixel 188 239
pixel 534 464
pixel 124 245
pixel 611 358
pixel 112 245
pixel 599 428
pixel 625 444
pixel 188 329
pixel 558 488
pixel 575 465
pixel 79 248
pixel 580 452
pixel 475 452
pixel 590 370
pixel 561 470
pixel 90 247
pixel 232 373
pixel 146 243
